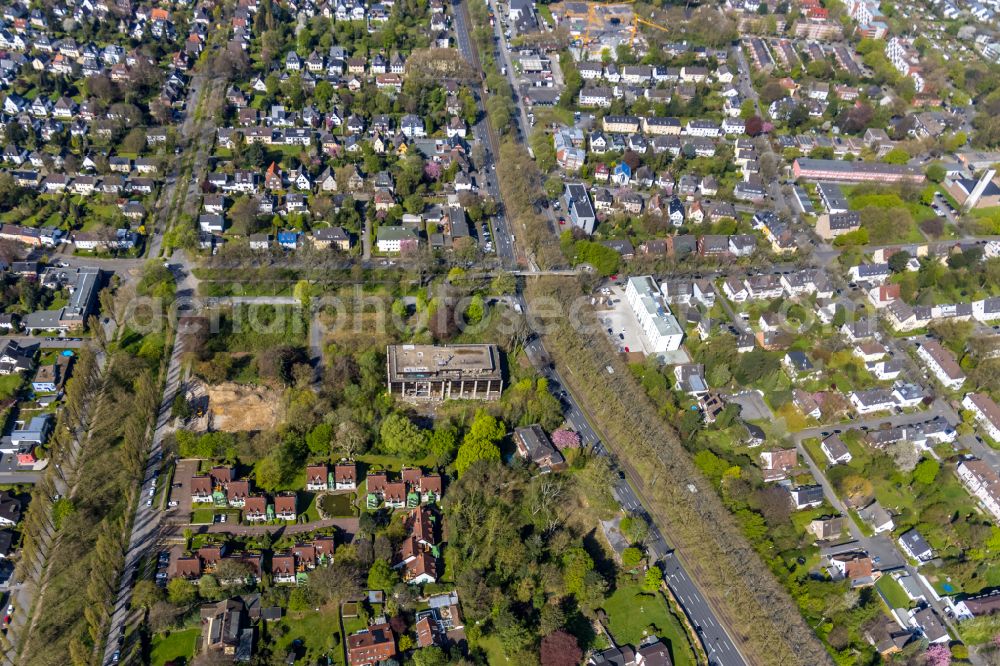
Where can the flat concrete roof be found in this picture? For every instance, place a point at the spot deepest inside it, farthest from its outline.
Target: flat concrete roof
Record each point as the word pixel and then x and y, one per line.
pixel 410 362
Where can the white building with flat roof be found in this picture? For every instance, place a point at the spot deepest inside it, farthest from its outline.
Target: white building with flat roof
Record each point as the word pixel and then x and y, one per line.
pixel 660 329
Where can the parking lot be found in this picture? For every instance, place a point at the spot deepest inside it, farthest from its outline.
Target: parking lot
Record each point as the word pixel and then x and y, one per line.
pixel 618 321
pixel 181 490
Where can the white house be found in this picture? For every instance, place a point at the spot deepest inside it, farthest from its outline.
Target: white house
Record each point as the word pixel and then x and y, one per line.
pixel 986 411
pixel 659 327
pixel 942 363
pixel 982 483
pixel 835 450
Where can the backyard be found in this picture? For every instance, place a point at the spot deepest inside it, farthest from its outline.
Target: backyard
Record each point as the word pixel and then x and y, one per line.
pixel 174 646
pixel 632 614
pixel 312 634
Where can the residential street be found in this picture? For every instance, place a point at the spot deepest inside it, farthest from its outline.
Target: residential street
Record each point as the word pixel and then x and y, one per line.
pixel 880 543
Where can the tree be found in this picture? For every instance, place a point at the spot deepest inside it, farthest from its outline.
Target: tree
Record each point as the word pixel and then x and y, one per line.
pixel 319 439
pixel 576 564
pixel 208 587
pixel 181 592
pixel 857 488
pixel 634 528
pixel 926 471
pixel 146 593
pixel 267 473
pixel 566 439
pixel 504 283
pixel 935 172
pixel 938 655
pixel 352 439
pixel 481 442
pixel 898 261
pixel 430 656
pixel 401 436
pixel 631 557
pixel 443 443
pixel 476 310
pixel 754 126
pixel 896 156
pixel 382 576
pixel 653 579
pixel 560 649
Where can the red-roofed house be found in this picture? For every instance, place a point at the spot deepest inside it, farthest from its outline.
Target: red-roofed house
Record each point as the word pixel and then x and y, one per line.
pixel 370 646
pixel 776 464
pixel 255 509
pixel 316 477
pixel 428 632
pixel 376 483
pixel 430 487
pixel 411 475
pixel 284 507
pixel 283 568
pixel 186 567
pixel 395 495
pixel 420 570
pixel 305 556
pixel 324 546
pixel 345 477
pixel 201 489
pixel 237 493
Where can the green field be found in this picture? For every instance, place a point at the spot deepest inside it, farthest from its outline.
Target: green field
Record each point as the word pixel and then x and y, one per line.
pixel 318 633
pixel 631 612
pixel 177 645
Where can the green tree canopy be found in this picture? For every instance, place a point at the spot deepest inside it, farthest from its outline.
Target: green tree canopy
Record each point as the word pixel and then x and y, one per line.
pixel 400 436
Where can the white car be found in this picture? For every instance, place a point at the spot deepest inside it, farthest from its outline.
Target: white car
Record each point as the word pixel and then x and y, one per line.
pixel 149 502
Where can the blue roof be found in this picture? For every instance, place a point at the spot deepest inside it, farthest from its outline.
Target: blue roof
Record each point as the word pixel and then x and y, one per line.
pixel 288 236
pixel 621 167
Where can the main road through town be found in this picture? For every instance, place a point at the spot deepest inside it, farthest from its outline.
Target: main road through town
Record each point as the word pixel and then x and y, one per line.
pixel 714 637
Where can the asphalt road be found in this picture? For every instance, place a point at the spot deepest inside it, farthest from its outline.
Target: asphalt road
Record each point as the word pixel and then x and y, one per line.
pixel 716 641
pixel 504 240
pixel 146 522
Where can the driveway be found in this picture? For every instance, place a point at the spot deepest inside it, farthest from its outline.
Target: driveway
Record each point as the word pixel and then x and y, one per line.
pixel 753 407
pixel 183 472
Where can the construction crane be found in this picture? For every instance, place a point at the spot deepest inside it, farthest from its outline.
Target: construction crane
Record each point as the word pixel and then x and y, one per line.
pixel 593 21
pixel 636 20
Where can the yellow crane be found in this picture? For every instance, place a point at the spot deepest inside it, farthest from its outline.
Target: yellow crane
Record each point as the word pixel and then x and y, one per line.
pixel 593 21
pixel 636 20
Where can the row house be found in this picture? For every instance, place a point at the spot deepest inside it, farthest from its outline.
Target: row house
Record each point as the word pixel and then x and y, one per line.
pixel 417 554
pixel 986 413
pixel 414 487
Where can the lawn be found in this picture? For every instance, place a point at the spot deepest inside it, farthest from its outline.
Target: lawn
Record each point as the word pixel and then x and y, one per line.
pixel 202 516
pixel 393 463
pixel 891 591
pixel 177 645
pixel 9 385
pixel 318 633
pixel 632 612
pixel 494 651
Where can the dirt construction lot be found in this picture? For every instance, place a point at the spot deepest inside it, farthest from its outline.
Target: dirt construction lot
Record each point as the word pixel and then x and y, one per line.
pixel 238 407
